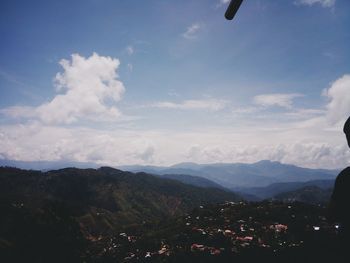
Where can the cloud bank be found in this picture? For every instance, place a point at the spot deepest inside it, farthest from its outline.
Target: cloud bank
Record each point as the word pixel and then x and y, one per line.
pixel 338 94
pixel 191 31
pixel 277 99
pixel 88 89
pixel 208 104
pixel 323 3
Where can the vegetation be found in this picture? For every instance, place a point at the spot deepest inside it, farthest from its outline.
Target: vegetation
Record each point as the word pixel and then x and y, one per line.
pixel 107 215
pixel 309 194
pixel 44 213
pixel 230 232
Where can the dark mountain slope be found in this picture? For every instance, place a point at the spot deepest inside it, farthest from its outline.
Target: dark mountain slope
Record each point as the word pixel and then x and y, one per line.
pixel 56 216
pixel 277 188
pixel 309 194
pixel 193 180
pixel 105 199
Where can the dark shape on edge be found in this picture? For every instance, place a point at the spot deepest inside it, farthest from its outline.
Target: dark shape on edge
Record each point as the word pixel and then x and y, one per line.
pixel 232 9
pixel 339 203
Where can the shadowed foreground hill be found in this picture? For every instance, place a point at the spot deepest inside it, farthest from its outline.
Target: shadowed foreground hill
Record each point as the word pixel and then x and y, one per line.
pixel 279 188
pixel 309 194
pixel 107 215
pixel 51 216
pixel 105 199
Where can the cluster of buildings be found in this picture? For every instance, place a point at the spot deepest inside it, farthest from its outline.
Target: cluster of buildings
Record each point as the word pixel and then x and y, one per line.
pixel 229 228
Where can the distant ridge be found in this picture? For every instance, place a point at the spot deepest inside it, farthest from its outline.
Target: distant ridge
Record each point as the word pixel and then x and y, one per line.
pixel 235 175
pixel 46 165
pixel 193 180
pixel 227 175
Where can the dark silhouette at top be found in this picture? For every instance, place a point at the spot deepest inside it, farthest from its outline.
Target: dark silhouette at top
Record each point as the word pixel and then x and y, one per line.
pixel 347 130
pixel 232 9
pixel 339 204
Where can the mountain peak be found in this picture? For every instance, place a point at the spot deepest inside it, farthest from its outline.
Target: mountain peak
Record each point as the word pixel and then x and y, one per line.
pixel 186 165
pixel 264 162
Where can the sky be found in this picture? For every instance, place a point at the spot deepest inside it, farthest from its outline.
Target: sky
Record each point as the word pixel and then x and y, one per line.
pixel 159 82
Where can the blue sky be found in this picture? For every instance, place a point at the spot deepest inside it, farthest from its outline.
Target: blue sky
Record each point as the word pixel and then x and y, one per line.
pixel 161 82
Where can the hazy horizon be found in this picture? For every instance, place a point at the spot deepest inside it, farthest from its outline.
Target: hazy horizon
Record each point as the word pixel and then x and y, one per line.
pixel 75 164
pixel 166 82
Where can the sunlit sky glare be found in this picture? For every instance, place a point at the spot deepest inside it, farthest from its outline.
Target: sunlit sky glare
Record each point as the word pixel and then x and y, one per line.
pixel 162 81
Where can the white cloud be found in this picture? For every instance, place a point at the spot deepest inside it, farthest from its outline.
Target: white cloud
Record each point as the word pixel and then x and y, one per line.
pixel 130 50
pixel 173 93
pixel 130 67
pixel 35 141
pixel 222 2
pixel 259 134
pixel 147 154
pixel 310 147
pixel 89 90
pixel 323 3
pixel 338 108
pixel 305 113
pixel 191 31
pixel 245 110
pixel 276 99
pixel 207 104
pixel 19 112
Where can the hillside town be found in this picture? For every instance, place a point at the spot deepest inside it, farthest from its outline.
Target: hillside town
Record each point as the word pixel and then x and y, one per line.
pixel 227 231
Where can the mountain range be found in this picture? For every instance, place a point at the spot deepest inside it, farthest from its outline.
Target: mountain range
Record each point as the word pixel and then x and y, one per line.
pixel 261 193
pixel 50 216
pixel 46 165
pixel 72 214
pixel 122 197
pixel 241 175
pixel 256 181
